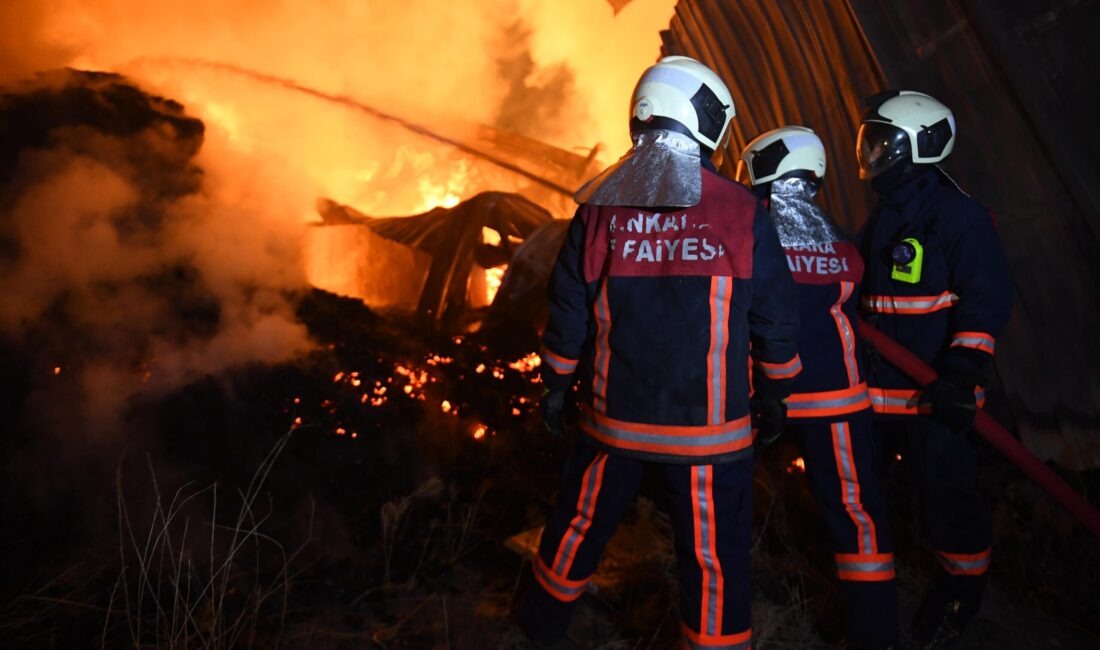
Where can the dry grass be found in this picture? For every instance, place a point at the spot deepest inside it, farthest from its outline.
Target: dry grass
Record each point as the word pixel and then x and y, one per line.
pixel 229 591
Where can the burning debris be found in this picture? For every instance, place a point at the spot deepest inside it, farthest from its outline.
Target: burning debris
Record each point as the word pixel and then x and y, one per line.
pixel 366 399
pixel 470 245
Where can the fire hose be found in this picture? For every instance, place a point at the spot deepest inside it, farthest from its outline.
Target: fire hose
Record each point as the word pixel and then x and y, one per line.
pixel 991 430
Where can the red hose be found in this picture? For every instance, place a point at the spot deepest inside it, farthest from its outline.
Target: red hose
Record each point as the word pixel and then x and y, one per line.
pixel 997 435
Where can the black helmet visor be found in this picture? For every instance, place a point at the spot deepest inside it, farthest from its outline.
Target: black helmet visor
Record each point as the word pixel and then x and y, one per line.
pixel 879 146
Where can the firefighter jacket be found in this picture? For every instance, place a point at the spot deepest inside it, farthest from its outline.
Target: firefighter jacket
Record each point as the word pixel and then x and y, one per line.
pixel 653 314
pixel 832 384
pixel 950 303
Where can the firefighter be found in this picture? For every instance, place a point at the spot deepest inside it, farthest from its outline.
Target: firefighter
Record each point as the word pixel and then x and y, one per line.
pixel 936 281
pixel 829 411
pixel 668 272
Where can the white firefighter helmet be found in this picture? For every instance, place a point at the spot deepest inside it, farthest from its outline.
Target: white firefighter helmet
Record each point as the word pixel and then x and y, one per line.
pixel 681 94
pixel 902 124
pixel 785 152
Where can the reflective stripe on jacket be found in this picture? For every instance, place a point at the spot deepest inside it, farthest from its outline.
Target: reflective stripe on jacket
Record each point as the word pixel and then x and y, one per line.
pixel 657 310
pixel 950 317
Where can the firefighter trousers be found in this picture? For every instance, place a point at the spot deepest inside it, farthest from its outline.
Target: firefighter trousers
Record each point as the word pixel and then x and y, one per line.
pixel 956 515
pixel 710 508
pixel 839 459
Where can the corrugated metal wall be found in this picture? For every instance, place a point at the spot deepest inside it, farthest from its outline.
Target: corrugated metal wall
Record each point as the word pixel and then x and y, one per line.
pixel 788 63
pixel 1019 76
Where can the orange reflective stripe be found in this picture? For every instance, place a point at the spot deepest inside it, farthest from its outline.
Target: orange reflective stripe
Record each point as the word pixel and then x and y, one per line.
pixel 909 304
pixel 560 364
pixel 706 550
pixel 865 567
pixel 699 641
pixel 708 440
pixel 603 349
pixel 586 509
pixel 830 402
pixel 850 493
pixel 847 334
pixel 721 290
pixel 976 340
pixel 558 586
pixel 906 401
pixel 781 370
pixel 965 564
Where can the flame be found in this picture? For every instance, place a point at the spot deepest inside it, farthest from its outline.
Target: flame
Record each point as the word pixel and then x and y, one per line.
pixel 493 278
pixel 798 464
pixel 447 194
pixel 307 99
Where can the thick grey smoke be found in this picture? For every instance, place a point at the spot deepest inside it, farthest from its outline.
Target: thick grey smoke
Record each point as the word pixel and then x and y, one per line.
pixel 125 272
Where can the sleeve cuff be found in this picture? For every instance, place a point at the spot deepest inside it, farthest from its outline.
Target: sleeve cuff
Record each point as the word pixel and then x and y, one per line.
pixel 559 364
pixel 778 371
pixel 974 340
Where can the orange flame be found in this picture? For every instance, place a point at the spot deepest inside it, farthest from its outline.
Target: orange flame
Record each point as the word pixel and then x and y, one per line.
pixel 798 464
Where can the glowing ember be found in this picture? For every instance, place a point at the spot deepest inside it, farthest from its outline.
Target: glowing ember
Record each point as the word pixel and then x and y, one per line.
pixel 898 456
pixel 797 463
pixel 338 377
pixel 480 368
pixel 527 364
pixel 515 411
pixel 341 431
pixel 57 370
pixel 480 431
pixel 445 406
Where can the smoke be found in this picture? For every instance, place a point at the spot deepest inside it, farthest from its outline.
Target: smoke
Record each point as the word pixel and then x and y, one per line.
pixel 127 271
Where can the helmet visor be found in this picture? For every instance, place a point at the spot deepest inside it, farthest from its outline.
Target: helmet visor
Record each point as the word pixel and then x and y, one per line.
pixel 879 146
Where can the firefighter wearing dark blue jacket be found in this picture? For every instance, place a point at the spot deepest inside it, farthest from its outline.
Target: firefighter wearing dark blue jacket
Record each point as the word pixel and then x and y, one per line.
pixel 936 282
pixel 668 272
pixel 830 411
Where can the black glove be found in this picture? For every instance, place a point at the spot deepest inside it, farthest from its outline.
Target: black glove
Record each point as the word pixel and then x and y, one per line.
pixel 769 417
pixel 953 401
pixel 551 406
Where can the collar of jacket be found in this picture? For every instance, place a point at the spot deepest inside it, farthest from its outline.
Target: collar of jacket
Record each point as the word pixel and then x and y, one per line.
pixel 912 189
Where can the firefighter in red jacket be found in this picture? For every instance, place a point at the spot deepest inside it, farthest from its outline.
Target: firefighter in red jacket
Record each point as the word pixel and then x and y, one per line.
pixel 668 272
pixel 830 411
pixel 936 281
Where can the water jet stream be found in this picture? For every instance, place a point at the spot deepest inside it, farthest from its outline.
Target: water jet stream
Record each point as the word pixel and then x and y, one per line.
pixel 350 102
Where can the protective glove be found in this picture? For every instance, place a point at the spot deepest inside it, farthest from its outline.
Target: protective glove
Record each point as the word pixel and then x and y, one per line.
pixel 769 417
pixel 551 406
pixel 952 400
